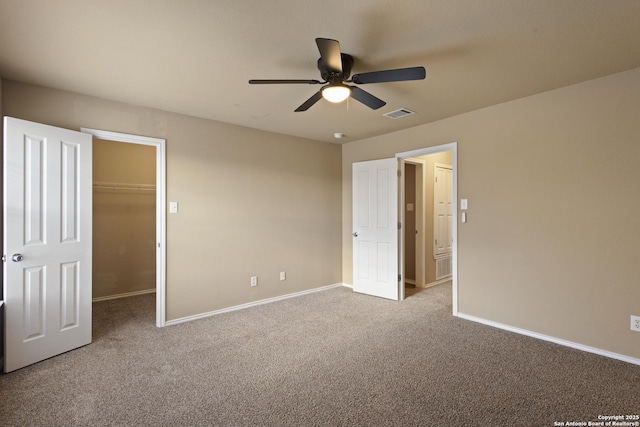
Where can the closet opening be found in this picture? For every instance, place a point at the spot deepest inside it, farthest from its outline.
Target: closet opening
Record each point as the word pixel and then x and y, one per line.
pixel 124 228
pixel 129 217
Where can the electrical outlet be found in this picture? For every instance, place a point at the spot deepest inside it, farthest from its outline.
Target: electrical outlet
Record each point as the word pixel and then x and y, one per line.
pixel 283 275
pixel 635 323
pixel 254 280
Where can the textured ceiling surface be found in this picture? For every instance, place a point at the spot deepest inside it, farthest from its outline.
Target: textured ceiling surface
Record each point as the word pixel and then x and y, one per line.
pixel 195 57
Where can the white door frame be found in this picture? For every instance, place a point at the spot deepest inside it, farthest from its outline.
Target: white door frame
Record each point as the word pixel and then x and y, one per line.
pixel 161 217
pixel 453 147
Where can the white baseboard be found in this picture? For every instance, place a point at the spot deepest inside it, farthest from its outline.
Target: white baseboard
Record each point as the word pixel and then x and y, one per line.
pixel 125 295
pixel 251 304
pixel 436 283
pixel 347 285
pixel 555 340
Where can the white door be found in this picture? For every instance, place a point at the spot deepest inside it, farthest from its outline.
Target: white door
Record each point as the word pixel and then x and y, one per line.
pixel 375 228
pixel 47 241
pixel 443 211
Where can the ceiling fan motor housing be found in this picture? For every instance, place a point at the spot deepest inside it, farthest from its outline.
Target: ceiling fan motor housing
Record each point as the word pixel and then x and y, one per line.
pixel 334 76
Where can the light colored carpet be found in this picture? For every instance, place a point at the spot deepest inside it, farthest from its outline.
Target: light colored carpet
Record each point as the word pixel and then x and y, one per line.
pixel 333 358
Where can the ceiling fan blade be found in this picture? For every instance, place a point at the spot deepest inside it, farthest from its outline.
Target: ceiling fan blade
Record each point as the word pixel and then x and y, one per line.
pixel 366 98
pixel 398 75
pixel 282 81
pixel 309 102
pixel 330 54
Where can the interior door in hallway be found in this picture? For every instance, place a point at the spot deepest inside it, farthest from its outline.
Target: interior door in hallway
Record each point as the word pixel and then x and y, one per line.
pixel 46 241
pixel 375 228
pixel 442 211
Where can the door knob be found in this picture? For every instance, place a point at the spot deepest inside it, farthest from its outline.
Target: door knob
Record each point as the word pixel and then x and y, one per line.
pixel 17 258
pixel 355 234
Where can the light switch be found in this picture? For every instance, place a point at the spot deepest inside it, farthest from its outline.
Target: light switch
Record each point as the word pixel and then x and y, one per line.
pixel 173 207
pixel 464 204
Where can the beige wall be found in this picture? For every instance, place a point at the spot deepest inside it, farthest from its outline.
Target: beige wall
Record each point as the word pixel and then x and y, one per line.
pixel 124 219
pixel 551 243
pixel 251 202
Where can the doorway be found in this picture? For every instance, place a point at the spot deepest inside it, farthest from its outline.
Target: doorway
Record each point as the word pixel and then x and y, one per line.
pixel 428 266
pixel 427 219
pixel 157 239
pixel 124 189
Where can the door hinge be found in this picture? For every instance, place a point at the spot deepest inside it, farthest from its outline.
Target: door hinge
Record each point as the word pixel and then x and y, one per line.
pixel 399 173
pixel 436 179
pixel 4 258
pixel 399 277
pixel 399 226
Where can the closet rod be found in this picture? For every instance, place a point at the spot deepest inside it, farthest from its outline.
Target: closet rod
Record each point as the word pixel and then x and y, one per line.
pixel 123 187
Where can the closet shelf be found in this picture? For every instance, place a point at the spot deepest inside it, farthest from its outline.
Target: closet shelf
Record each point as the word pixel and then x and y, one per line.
pixel 123 187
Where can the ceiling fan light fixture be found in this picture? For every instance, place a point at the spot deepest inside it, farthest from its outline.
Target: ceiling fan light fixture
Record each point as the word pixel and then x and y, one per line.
pixel 336 93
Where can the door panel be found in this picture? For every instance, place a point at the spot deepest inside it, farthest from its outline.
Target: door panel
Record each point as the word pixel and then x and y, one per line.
pixel 443 211
pixel 34 310
pixel 69 193
pixel 375 219
pixel 69 295
pixel 47 219
pixel 33 191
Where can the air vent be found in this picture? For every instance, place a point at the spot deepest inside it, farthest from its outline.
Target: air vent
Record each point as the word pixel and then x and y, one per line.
pixel 403 112
pixel 443 267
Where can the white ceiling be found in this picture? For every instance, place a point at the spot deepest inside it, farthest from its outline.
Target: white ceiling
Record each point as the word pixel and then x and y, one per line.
pixel 195 56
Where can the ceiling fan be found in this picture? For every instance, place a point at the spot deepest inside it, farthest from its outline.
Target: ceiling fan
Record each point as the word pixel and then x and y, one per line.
pixel 335 68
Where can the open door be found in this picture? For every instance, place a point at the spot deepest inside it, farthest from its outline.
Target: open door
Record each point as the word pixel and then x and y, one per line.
pixel 46 241
pixel 375 228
